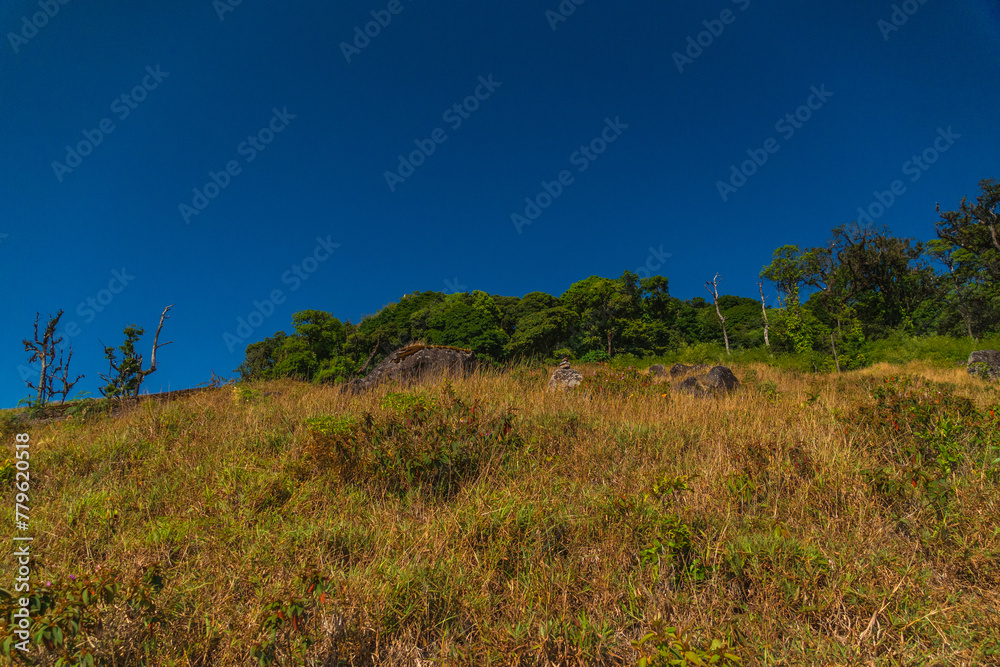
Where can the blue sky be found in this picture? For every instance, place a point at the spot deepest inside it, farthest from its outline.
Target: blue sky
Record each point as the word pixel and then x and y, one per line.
pixel 212 156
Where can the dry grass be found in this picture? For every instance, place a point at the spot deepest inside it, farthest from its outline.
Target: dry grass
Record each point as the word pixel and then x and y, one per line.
pixel 749 518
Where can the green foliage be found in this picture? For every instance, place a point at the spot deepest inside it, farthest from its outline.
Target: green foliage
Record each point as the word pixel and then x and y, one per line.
pixel 595 356
pixel 123 377
pixel 538 334
pixel 865 294
pixel 671 647
pixel 69 612
pixel 261 358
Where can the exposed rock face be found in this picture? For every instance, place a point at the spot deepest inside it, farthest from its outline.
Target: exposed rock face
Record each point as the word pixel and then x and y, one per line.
pixel 657 370
pixel 564 377
pixel 719 380
pixel 985 363
pixel 416 362
pixel 680 370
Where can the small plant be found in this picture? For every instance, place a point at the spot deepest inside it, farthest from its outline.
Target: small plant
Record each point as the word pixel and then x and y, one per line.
pixel 669 484
pixel 86 407
pixel 286 621
pixel 245 395
pixel 670 646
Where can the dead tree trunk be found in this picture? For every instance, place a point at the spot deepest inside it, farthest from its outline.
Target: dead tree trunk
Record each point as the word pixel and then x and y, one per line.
pixel 43 350
pixel 763 308
pixel 141 374
pixel 714 291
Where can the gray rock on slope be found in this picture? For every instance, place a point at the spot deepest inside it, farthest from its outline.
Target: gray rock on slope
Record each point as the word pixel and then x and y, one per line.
pixel 984 363
pixel 719 380
pixel 417 362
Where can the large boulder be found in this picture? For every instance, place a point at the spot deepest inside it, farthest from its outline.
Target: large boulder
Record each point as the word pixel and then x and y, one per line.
pixel 719 380
pixel 657 370
pixel 722 379
pixel 417 362
pixel 985 364
pixel 564 377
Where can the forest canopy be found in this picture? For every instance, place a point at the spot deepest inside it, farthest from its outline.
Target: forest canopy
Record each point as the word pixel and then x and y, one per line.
pixel 863 285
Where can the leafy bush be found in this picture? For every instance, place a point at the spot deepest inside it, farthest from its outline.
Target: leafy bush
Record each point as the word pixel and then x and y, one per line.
pixel 927 434
pixel 595 356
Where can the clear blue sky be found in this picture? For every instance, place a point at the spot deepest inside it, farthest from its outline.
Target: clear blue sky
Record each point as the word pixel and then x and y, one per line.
pixel 308 128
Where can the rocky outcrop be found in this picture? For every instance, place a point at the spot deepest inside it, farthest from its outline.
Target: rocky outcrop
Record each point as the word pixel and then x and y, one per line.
pixel 417 362
pixel 564 377
pixel 984 364
pixel 680 370
pixel 657 370
pixel 719 380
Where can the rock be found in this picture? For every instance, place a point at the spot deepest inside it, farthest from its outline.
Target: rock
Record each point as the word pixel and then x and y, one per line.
pixel 564 378
pixel 657 370
pixel 694 386
pixel 417 362
pixel 719 380
pixel 680 370
pixel 984 364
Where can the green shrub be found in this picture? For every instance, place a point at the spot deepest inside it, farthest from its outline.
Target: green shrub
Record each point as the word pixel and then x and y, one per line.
pixel 595 356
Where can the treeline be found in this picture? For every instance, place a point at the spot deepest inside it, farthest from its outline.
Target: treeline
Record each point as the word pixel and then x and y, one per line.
pixel 864 285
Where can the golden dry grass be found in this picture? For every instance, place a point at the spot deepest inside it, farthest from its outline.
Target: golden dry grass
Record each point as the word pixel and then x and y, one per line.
pixel 747 518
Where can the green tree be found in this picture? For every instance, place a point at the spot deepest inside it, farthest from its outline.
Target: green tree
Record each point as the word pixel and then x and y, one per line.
pixel 540 333
pixel 262 357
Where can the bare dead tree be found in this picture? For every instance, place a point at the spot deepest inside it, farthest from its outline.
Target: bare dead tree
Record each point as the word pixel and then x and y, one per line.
pixel 763 307
pixel 713 288
pixel 141 374
pixel 43 350
pixel 64 377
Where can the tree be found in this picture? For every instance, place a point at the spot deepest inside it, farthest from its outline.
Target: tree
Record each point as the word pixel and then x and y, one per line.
pixel 976 228
pixel 763 308
pixel 542 332
pixel 43 350
pixel 261 358
pixel 785 271
pixel 959 297
pixel 125 376
pixel 713 288
pixel 604 306
pixel 971 250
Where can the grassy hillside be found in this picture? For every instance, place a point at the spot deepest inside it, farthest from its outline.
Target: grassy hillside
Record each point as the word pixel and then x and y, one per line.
pixel 804 520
